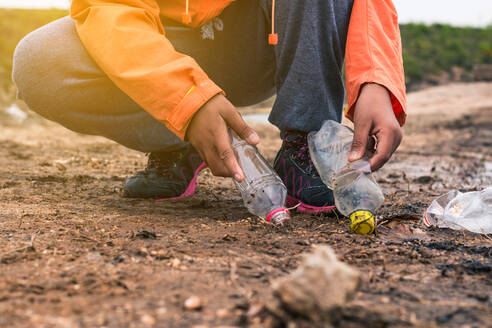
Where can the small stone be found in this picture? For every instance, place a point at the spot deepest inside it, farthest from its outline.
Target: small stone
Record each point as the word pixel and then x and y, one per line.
pixel 254 310
pixel 93 256
pixel 161 311
pixel 60 166
pixel 148 320
pixel 256 321
pixel 193 303
pixel 222 313
pixel 175 263
pixel 319 285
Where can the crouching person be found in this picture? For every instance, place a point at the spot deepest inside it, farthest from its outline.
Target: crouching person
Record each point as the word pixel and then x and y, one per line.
pixel 165 77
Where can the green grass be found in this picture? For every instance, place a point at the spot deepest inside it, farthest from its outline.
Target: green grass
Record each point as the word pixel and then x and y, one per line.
pixel 430 49
pixel 427 49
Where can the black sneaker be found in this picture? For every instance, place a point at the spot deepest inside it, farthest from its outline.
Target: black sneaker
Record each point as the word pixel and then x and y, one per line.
pixel 168 175
pixel 304 186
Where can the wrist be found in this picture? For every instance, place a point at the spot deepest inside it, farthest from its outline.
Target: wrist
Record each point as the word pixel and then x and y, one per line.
pixel 375 90
pixel 374 98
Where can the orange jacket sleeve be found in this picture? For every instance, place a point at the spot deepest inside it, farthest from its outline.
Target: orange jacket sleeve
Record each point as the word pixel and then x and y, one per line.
pixel 374 53
pixel 127 40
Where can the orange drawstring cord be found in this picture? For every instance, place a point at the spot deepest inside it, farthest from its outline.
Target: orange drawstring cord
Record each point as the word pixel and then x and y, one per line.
pixel 186 17
pixel 273 37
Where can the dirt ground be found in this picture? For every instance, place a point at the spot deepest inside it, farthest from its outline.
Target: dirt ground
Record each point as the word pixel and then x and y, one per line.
pixel 74 253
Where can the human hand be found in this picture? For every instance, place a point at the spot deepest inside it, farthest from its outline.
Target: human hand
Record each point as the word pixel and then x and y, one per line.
pixel 374 117
pixel 208 133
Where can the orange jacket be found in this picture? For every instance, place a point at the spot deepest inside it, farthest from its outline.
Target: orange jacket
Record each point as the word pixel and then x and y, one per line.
pixel 128 42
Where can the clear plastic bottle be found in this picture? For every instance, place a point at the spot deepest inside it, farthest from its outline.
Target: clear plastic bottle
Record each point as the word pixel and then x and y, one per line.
pixel 471 211
pixel 434 214
pixel 329 149
pixel 262 190
pixel 357 195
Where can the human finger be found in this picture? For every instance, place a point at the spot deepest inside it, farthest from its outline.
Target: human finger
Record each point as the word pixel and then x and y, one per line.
pixel 237 123
pixel 227 157
pixel 388 141
pixel 359 144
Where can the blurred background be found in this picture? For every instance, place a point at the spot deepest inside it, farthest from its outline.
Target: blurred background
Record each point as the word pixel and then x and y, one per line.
pixel 444 41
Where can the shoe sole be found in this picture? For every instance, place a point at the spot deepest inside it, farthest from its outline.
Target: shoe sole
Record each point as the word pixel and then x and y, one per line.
pixel 190 190
pixel 305 208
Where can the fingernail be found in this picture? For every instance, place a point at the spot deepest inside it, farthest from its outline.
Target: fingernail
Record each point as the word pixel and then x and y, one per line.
pixel 253 138
pixel 238 177
pixel 353 155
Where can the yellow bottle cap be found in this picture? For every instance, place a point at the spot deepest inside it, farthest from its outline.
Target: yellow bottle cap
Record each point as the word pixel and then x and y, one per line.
pixel 362 222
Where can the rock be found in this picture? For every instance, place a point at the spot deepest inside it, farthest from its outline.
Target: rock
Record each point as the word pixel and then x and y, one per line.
pixel 93 256
pixel 255 309
pixel 148 320
pixel 318 286
pixel 175 263
pixel 425 179
pixel 437 78
pixel 482 72
pixel 60 166
pixel 222 313
pixel 161 311
pixel 193 303
pixel 457 73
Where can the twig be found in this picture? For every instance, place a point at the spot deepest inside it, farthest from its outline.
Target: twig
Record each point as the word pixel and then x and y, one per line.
pixel 82 236
pixel 234 279
pixel 321 225
pixel 401 217
pixel 20 249
pixel 294 207
pixel 454 303
pixel 250 259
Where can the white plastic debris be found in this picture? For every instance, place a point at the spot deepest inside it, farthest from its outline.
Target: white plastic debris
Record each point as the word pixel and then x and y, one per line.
pixel 471 211
pixel 488 170
pixel 434 214
pixel 17 114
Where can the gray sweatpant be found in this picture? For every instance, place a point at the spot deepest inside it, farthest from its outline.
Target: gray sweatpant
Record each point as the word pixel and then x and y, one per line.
pixel 57 78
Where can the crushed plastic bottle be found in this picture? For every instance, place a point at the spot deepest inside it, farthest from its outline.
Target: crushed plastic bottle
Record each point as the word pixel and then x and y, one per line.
pixel 262 190
pixel 434 215
pixel 357 195
pixel 471 211
pixel 329 149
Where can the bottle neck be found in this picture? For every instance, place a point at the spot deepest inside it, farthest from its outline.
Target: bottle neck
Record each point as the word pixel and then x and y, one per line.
pixel 279 216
